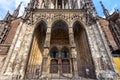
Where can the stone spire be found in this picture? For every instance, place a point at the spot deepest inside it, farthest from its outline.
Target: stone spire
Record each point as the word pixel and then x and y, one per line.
pixel 16 12
pixel 7 16
pixel 106 13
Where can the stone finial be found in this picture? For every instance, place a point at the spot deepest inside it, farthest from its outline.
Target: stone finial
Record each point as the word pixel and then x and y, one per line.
pixel 105 11
pixel 7 16
pixel 16 12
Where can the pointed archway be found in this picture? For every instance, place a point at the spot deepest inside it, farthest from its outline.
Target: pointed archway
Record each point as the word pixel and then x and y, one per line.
pixel 60 57
pixel 35 57
pixel 59 33
pixel 85 63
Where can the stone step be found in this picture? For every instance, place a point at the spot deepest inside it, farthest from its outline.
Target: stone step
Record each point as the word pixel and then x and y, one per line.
pixel 72 79
pixel 62 79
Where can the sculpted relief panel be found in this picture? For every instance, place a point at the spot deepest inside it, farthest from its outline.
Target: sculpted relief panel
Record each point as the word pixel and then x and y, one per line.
pixel 55 15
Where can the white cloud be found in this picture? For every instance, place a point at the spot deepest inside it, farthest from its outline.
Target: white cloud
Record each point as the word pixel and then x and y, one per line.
pixel 24 4
pixel 4 7
pixel 112 11
pixel 5 4
pixel 1 18
pixel 11 5
pixel 113 8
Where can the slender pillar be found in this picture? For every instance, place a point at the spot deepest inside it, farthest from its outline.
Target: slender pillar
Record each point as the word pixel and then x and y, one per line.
pixel 49 2
pixel 12 61
pixel 48 36
pixel 56 3
pixel 45 62
pixel 73 52
pixel 63 4
pixel 69 4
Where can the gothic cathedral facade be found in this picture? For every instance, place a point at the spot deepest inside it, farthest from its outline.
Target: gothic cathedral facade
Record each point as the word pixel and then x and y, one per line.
pixel 56 40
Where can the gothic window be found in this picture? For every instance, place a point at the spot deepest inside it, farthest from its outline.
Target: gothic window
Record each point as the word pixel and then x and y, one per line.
pixel 54 54
pixel 64 54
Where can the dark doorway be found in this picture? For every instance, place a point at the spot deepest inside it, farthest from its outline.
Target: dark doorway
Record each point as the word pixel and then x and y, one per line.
pixel 85 63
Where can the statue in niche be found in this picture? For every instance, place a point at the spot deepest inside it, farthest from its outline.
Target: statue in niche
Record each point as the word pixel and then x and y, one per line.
pixel 82 4
pixel 78 4
pixel 43 5
pixel 66 6
pixel 51 5
pixel 46 4
pixel 69 4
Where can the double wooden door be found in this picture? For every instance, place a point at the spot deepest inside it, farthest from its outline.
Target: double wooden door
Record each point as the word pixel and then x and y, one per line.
pixel 60 65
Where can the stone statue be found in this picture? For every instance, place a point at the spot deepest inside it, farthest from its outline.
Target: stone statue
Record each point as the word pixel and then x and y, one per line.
pixel 51 5
pixel 43 4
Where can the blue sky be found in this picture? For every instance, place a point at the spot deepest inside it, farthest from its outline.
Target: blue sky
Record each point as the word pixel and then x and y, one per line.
pixel 11 5
pixel 109 4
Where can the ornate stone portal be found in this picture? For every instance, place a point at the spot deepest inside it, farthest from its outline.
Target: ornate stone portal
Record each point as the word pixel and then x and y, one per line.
pixel 59 43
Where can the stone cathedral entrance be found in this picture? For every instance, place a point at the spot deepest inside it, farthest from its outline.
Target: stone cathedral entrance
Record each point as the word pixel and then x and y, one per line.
pixel 85 62
pixel 59 39
pixel 60 62
pixel 59 53
pixel 35 56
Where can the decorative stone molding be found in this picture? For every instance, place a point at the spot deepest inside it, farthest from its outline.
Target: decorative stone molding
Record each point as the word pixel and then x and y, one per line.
pixel 55 15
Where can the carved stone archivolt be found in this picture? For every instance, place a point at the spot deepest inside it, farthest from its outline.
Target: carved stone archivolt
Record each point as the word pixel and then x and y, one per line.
pixel 54 16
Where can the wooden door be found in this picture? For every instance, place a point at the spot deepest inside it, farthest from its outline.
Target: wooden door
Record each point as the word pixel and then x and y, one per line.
pixel 65 66
pixel 54 66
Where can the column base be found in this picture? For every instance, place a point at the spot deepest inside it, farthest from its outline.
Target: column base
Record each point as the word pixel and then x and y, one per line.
pixel 108 75
pixel 10 76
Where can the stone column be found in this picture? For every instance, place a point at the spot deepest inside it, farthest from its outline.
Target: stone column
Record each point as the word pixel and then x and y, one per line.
pixel 109 71
pixel 56 4
pixel 25 49
pixel 46 62
pixel 73 52
pixel 96 56
pixel 99 53
pixel 69 4
pixel 15 47
pixel 18 53
pixel 63 4
pixel 48 37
